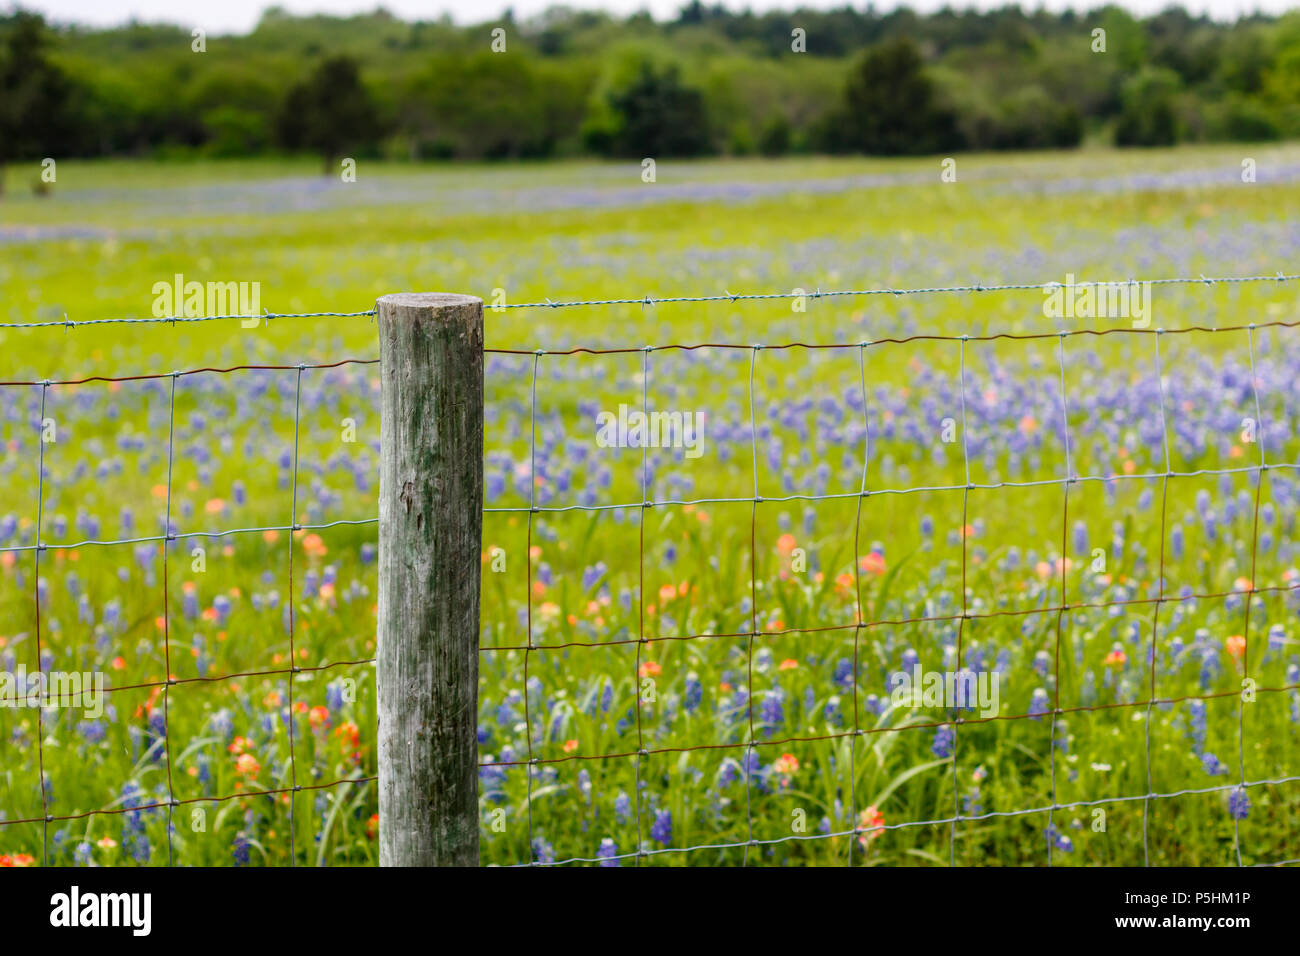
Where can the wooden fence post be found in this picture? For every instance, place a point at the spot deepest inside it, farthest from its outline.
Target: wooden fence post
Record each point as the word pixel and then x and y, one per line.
pixel 430 539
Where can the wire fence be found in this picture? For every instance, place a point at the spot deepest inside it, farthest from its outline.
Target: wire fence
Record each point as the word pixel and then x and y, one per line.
pixel 860 627
pixel 167 539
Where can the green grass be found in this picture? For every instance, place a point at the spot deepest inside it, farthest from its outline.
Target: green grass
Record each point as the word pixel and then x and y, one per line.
pixel 567 231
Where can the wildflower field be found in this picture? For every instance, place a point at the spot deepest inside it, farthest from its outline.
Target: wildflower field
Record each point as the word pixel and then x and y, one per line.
pixel 707 679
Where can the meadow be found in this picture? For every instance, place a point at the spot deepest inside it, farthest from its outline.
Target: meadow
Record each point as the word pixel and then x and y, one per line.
pixel 635 652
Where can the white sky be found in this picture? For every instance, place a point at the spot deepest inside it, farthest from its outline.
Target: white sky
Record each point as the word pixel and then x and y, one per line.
pixel 239 16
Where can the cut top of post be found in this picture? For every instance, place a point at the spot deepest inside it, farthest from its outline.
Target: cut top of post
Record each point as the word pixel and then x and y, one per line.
pixel 459 315
pixel 428 300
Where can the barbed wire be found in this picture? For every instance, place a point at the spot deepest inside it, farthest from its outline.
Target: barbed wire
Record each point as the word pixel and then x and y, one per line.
pixel 652 300
pixel 67 323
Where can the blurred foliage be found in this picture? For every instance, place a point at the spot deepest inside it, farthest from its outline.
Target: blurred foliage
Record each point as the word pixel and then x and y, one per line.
pixel 709 81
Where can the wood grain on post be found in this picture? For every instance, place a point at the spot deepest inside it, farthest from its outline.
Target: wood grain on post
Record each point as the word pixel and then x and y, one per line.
pixel 430 537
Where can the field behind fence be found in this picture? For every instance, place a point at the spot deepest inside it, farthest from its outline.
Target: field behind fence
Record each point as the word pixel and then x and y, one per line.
pixel 687 650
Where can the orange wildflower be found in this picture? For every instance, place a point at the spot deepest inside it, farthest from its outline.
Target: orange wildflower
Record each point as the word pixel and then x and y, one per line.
pixel 247 764
pixel 873 821
pixel 873 563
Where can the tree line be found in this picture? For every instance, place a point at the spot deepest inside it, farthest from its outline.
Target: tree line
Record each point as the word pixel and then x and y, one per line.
pixel 711 81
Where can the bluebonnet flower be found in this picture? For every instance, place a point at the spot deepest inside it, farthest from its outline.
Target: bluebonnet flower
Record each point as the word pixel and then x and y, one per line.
pixel 608 853
pixel 334 695
pixel 1038 701
pixel 543 852
pixel 1213 765
pixel 943 742
pixel 622 807
pixel 661 831
pixel 157 735
pixel 1276 637
pixel 1059 839
pixel 728 772
pixel 1197 708
pixel 1042 663
pixel 592 575
pixel 1238 804
pixel 241 848
pixel 694 692
pixel 137 844
pixel 772 710
pixel 222 723
pixel 1176 648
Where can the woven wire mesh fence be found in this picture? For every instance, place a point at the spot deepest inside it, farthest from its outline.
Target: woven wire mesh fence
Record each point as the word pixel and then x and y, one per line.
pixel 755 740
pixel 51 697
pixel 1059 599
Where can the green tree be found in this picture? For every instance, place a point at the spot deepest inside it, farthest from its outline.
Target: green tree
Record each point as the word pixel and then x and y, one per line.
pixel 330 112
pixel 34 93
pixel 1150 114
pixel 488 106
pixel 891 106
pixel 655 114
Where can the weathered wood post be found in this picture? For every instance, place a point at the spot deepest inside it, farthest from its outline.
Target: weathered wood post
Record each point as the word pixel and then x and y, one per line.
pixel 430 535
